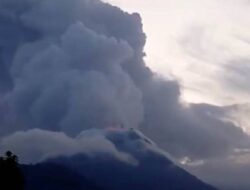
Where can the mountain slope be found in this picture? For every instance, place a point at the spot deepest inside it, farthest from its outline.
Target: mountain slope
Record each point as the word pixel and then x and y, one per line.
pixel 48 176
pixel 143 166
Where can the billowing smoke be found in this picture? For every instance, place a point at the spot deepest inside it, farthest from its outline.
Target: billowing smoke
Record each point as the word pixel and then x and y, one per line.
pixel 71 66
pixel 64 68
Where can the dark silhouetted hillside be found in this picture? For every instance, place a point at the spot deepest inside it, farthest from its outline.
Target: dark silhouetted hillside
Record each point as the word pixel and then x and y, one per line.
pixel 144 168
pixel 48 176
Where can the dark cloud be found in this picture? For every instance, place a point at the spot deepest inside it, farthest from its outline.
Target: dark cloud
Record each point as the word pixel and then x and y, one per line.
pixel 198 131
pixel 71 66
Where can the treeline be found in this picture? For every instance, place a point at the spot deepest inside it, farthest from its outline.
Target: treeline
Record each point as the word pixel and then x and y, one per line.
pixel 11 177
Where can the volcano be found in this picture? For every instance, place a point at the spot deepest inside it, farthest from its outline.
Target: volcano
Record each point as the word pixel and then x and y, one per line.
pixel 142 166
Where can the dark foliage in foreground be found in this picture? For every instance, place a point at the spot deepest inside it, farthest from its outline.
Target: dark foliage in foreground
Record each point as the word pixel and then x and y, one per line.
pixel 11 177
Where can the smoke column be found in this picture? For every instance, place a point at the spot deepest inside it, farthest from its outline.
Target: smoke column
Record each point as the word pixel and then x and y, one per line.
pixel 71 67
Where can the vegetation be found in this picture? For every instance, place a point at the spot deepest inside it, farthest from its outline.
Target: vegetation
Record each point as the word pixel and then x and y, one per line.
pixel 10 174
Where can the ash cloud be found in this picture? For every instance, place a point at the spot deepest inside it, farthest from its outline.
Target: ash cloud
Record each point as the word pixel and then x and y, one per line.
pixel 70 77
pixel 56 144
pixel 71 66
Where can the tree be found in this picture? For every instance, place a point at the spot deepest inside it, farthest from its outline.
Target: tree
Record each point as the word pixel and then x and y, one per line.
pixel 10 174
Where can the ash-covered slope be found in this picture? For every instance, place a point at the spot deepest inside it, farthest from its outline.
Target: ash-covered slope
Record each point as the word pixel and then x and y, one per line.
pixel 141 165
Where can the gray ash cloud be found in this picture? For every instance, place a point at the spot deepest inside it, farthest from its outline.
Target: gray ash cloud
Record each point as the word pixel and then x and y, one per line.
pixel 68 66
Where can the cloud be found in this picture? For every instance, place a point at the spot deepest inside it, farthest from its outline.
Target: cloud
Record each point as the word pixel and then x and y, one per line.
pixel 38 145
pixel 231 173
pixel 218 47
pixel 194 41
pixel 56 77
pixel 153 169
pixel 84 69
pixel 73 66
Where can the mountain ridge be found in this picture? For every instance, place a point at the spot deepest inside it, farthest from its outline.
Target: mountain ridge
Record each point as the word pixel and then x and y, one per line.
pixel 147 168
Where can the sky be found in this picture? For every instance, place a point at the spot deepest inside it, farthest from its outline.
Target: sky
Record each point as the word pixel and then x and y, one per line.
pixel 204 44
pixel 72 70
